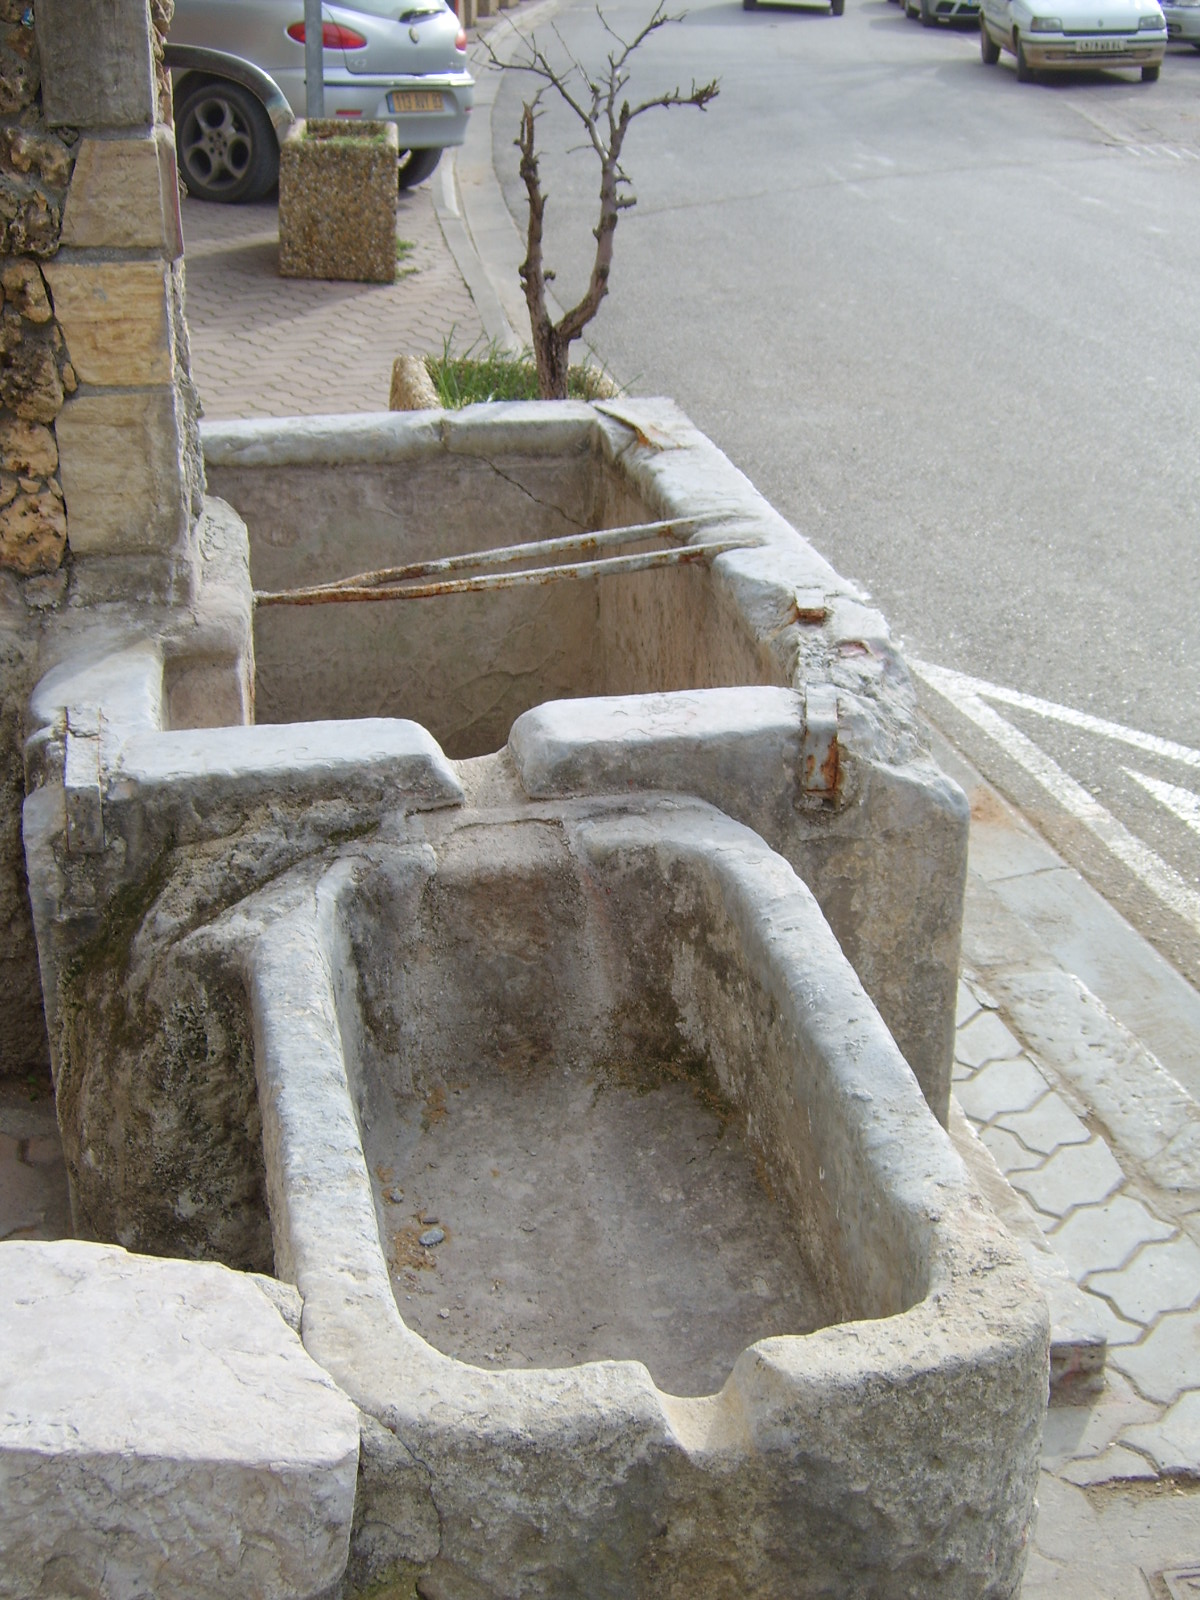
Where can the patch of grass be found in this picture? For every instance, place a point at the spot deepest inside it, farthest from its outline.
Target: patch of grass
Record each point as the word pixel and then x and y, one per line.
pixel 404 248
pixel 488 372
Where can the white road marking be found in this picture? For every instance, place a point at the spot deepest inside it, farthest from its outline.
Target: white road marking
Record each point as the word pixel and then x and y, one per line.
pixel 1149 743
pixel 968 695
pixel 1181 802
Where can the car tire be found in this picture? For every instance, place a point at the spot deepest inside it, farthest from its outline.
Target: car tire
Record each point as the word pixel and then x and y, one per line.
pixel 928 18
pixel 836 7
pixel 910 10
pixel 1024 70
pixel 225 143
pixel 1150 74
pixel 415 166
pixel 988 48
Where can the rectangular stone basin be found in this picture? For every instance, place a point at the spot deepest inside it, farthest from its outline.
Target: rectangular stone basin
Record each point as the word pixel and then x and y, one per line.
pixel 859 810
pixel 613 1203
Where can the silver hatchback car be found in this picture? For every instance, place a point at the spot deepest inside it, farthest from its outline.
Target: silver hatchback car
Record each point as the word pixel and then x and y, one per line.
pixel 238 71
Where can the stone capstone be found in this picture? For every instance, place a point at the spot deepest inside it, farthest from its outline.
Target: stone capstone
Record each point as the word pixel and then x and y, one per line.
pixel 162 1431
pixel 125 195
pixel 119 458
pixel 97 67
pixel 115 318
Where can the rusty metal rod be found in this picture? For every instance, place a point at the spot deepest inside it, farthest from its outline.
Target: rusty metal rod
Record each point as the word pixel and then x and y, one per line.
pixel 332 593
pixel 507 555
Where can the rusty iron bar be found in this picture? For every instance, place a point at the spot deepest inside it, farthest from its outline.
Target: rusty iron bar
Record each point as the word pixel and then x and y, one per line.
pixel 508 555
pixel 336 593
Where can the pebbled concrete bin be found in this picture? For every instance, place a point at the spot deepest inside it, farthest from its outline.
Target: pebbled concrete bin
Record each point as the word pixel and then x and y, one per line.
pixel 337 200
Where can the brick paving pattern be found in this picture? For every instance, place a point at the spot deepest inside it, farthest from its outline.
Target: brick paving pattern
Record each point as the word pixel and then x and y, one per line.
pixel 266 346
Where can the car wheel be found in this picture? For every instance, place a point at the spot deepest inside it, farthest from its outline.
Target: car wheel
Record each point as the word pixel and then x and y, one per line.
pixel 988 48
pixel 910 10
pixel 1024 70
pixel 225 143
pixel 416 166
pixel 836 7
pixel 928 18
pixel 1150 74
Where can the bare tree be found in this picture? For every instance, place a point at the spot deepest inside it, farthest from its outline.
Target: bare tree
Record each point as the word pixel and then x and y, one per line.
pixel 599 104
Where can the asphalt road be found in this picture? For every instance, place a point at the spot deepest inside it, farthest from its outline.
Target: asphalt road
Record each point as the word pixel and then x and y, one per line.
pixel 948 324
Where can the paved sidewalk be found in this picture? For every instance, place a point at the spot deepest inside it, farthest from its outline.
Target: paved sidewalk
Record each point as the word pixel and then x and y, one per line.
pixel 266 346
pixel 1071 1030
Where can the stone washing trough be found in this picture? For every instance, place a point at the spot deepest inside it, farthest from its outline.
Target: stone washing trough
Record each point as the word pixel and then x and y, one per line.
pixel 584 1073
pixel 609 1195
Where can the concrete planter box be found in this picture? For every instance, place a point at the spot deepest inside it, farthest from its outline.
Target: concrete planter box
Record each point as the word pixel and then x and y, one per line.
pixel 337 201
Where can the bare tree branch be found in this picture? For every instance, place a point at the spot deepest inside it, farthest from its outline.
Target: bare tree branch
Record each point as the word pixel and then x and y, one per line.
pixel 605 125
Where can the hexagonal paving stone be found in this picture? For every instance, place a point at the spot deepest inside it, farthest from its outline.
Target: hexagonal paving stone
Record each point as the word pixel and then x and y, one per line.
pixel 1116 1329
pixel 967 1006
pixel 1046 1125
pixel 985 1038
pixel 1009 1154
pixel 1002 1086
pixel 1160 1278
pixel 1076 1175
pixel 1173 1443
pixel 1100 1238
pixel 1167 1362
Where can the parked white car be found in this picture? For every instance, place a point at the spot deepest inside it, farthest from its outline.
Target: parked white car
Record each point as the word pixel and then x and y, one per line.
pixel 238 75
pixel 1183 21
pixel 1074 35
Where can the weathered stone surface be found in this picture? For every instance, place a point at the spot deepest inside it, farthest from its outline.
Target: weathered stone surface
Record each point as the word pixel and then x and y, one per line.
pixel 125 195
pixel 25 289
pixel 119 460
pixel 162 1432
pixel 19 70
pixel 29 151
pixel 337 201
pixel 115 318
pixel 30 381
pixel 28 447
pixel 30 219
pixel 97 69
pixel 33 532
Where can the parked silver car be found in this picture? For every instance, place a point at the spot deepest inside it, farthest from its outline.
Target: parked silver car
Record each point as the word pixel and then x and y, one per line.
pixel 238 67
pixel 1183 21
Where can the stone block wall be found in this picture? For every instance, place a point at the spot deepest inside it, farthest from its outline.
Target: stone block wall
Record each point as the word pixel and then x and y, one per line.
pixel 100 468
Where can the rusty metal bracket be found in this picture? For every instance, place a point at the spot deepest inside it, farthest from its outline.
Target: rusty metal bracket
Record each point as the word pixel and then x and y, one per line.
pixel 821 766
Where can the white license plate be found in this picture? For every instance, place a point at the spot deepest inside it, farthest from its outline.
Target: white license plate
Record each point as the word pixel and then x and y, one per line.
pixel 415 100
pixel 1100 47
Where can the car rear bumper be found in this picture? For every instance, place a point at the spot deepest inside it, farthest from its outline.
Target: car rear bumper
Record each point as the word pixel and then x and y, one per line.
pixel 347 95
pixel 1064 55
